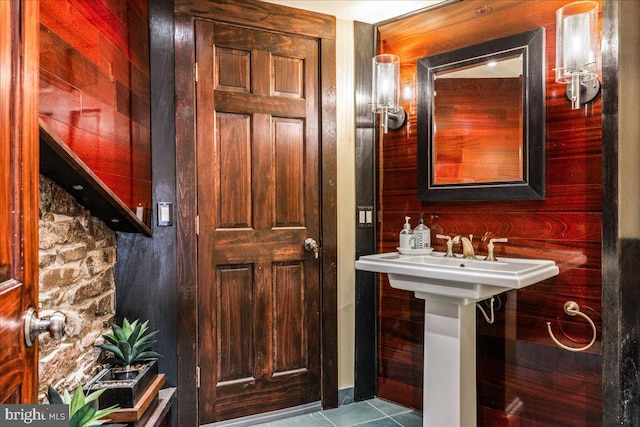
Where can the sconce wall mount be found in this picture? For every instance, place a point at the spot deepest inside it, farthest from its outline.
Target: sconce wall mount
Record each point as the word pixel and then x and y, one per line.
pixel 589 89
pixel 395 120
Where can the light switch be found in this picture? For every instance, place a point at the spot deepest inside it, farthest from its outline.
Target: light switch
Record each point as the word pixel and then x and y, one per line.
pixel 165 214
pixel 364 215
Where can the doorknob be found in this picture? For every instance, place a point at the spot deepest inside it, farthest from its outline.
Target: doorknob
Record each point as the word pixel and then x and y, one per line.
pixel 310 245
pixel 33 326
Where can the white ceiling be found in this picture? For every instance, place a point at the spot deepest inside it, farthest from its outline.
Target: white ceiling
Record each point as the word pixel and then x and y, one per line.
pixel 369 11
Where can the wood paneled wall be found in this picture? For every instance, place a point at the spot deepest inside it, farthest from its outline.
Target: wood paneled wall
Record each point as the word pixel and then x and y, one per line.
pixel 94 88
pixel 523 378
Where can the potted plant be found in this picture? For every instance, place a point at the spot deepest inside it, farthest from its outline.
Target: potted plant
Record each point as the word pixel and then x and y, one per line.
pixel 129 344
pixel 132 365
pixel 83 410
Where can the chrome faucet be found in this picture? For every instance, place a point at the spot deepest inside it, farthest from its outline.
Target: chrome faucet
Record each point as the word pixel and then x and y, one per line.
pixel 467 246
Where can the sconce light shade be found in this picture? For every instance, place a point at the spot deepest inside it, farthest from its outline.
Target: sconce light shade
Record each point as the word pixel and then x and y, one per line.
pixel 386 89
pixel 577 42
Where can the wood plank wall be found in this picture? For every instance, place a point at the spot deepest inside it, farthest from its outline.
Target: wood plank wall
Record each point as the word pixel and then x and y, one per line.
pixel 523 378
pixel 94 88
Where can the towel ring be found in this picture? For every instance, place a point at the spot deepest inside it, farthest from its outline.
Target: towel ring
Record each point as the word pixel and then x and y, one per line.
pixel 572 309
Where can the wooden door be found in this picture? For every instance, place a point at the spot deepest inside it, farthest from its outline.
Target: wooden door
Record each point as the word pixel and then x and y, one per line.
pixel 258 200
pixel 18 196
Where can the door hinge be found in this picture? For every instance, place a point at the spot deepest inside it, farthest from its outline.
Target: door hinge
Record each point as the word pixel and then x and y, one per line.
pixel 198 376
pixel 197 225
pixel 195 72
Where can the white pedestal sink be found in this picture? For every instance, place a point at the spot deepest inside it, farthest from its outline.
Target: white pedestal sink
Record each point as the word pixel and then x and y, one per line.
pixel 450 287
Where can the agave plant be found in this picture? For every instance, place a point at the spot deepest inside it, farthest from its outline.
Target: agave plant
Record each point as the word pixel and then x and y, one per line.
pixel 129 344
pixel 83 410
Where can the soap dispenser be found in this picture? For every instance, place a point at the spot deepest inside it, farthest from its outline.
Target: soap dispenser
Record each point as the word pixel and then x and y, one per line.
pixel 422 235
pixel 406 235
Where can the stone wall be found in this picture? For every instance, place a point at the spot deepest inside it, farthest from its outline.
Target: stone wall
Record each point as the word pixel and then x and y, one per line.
pixel 77 258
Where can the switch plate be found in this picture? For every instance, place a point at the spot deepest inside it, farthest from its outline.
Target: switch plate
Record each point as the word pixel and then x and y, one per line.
pixel 165 214
pixel 364 216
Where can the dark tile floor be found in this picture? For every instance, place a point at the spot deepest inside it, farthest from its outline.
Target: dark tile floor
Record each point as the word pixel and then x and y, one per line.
pixel 374 412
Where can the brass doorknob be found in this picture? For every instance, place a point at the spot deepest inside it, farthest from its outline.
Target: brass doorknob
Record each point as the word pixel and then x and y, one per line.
pixel 33 326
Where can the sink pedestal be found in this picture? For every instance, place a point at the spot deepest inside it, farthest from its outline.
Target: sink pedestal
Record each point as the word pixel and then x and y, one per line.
pixel 449 389
pixel 450 288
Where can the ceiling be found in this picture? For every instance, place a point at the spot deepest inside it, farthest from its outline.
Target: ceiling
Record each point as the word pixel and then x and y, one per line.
pixel 369 11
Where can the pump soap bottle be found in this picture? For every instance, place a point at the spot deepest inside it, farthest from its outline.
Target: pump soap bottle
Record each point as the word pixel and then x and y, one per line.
pixel 422 235
pixel 406 235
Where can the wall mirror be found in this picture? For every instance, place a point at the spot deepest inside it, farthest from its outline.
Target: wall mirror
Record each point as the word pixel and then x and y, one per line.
pixel 481 121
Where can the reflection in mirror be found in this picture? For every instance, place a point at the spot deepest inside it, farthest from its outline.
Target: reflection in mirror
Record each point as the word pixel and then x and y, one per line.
pixel 481 121
pixel 5 272
pixel 477 131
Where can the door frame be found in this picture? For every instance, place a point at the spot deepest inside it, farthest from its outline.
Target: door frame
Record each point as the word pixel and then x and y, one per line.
pixel 19 35
pixel 270 17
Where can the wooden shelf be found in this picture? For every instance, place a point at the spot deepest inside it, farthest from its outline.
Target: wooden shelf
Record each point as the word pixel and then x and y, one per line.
pixel 59 163
pixel 160 415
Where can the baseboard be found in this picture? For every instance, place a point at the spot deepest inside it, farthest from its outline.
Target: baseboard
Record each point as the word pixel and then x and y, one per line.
pixel 345 396
pixel 269 416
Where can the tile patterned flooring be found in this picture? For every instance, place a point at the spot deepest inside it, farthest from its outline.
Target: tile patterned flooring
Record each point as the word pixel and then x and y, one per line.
pixel 372 413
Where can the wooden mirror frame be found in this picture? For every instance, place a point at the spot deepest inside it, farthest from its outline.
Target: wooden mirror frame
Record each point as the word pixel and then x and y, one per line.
pixel 532 187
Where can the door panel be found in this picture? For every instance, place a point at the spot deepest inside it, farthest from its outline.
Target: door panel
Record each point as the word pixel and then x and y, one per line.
pixel 235 293
pixel 290 341
pixel 12 348
pixel 18 196
pixel 258 200
pixel 233 196
pixel 289 167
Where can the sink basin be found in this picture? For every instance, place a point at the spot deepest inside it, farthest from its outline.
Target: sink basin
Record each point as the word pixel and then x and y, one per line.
pixel 457 280
pixel 449 286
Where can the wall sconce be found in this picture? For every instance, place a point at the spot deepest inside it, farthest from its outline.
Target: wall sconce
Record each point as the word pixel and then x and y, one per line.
pixel 577 41
pixel 386 87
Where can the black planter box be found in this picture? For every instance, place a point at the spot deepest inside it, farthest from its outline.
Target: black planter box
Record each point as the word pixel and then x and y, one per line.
pixel 122 388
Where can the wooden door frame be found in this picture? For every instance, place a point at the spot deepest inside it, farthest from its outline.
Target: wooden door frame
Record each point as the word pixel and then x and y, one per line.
pixel 265 16
pixel 20 33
